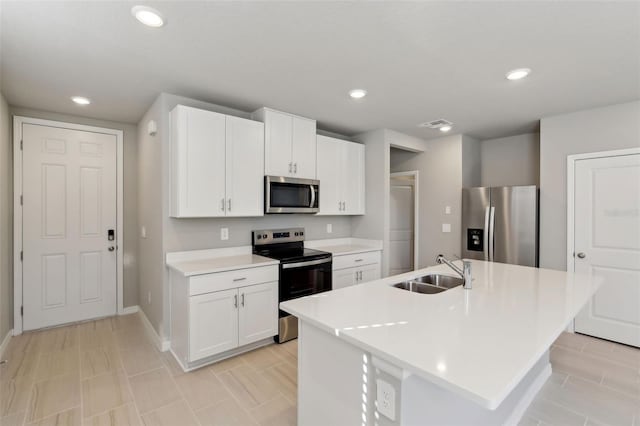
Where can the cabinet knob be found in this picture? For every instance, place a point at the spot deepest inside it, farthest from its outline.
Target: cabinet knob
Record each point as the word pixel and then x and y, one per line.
pixel 582 255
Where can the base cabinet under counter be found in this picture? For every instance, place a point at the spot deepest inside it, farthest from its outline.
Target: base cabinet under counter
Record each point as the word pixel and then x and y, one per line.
pixel 234 316
pixel 352 269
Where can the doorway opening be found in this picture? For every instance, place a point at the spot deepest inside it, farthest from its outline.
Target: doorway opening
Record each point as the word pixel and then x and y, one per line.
pixel 403 222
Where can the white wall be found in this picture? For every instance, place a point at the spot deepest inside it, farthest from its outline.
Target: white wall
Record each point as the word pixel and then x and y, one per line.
pixel 510 161
pixel 471 162
pixel 602 129
pixel 130 242
pixel 6 220
pixel 440 185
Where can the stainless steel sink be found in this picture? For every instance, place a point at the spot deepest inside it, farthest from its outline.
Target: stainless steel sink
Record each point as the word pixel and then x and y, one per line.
pixel 430 284
pixel 416 287
pixel 445 281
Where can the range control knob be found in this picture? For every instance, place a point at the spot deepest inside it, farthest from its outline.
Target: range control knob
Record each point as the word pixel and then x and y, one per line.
pixel 296 234
pixel 264 235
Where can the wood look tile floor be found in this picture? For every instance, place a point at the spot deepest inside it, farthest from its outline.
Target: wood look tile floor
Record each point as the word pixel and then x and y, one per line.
pixel 107 372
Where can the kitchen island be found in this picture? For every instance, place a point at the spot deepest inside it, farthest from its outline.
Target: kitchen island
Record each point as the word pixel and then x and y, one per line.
pixel 372 354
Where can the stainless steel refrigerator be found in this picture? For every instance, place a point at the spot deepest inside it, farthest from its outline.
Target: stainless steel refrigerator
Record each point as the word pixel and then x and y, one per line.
pixel 501 224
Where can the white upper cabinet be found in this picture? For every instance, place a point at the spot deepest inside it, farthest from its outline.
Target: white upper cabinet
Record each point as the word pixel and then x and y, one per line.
pixel 341 175
pixel 290 144
pixel 217 164
pixel 244 167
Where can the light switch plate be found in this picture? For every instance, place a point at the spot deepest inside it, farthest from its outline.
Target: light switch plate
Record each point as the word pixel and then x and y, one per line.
pixel 143 231
pixel 386 399
pixel 446 227
pixel 224 234
pixel 329 228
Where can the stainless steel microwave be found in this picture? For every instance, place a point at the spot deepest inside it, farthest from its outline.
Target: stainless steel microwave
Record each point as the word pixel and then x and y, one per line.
pixel 291 195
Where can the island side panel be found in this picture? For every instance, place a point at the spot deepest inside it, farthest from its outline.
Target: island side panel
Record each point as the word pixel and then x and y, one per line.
pixel 334 381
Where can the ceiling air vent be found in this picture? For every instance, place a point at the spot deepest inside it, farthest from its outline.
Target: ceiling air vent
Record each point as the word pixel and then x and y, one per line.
pixel 436 124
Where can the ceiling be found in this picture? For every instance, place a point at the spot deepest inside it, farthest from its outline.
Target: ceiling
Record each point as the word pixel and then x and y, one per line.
pixel 419 61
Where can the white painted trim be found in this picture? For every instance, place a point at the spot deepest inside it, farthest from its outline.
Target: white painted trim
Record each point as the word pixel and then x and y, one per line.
pixel 18 121
pixel 161 344
pixel 571 167
pixel 129 310
pixel 416 211
pixel 5 343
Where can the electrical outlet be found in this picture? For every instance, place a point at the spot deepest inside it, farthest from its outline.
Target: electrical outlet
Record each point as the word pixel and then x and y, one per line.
pixel 329 228
pixel 143 231
pixel 386 399
pixel 149 298
pixel 224 234
pixel 447 210
pixel 446 227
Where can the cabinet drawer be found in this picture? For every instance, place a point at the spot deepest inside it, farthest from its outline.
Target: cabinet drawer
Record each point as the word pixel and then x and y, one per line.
pixel 353 260
pixel 201 284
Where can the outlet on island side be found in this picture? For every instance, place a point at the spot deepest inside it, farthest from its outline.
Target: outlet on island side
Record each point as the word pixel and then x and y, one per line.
pixel 386 399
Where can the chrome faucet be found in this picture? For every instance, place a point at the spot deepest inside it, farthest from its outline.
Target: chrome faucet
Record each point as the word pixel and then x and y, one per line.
pixel 465 272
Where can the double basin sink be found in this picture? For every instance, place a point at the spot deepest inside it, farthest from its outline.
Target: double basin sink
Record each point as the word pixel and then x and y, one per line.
pixel 430 284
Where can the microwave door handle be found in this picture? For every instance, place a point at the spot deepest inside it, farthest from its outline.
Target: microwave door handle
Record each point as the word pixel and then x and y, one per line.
pixel 313 196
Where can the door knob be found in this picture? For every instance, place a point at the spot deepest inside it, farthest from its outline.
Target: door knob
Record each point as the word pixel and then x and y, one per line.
pixel 112 248
pixel 582 255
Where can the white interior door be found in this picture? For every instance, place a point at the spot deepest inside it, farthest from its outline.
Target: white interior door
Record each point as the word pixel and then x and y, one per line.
pixel 607 243
pixel 69 206
pixel 401 226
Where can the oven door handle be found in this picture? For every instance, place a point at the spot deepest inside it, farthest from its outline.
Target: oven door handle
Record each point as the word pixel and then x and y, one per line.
pixel 308 263
pixel 313 196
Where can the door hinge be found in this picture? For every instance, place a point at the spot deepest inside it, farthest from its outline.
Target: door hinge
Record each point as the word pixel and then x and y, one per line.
pixel 21 311
pixel 21 255
pixel 21 200
pixel 21 145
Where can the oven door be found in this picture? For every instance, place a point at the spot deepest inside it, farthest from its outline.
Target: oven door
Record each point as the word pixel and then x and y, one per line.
pixel 299 279
pixel 291 195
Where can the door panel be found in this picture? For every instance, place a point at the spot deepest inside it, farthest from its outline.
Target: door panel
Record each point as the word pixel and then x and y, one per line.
pixel 475 202
pixel 343 278
pixel 277 143
pixel 516 225
pixel 213 323
pixel 401 226
pixel 370 273
pixel 304 148
pixel 69 204
pixel 354 178
pixel 607 235
pixel 330 164
pixel 244 167
pixel 258 316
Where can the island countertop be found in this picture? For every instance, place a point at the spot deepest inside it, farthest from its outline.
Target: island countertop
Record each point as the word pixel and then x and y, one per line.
pixel 478 343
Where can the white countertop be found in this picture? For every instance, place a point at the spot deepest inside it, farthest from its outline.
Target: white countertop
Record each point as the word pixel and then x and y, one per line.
pixel 198 262
pixel 344 246
pixel 477 343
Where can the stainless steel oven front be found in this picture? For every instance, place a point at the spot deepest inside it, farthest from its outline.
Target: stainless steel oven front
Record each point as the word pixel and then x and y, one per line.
pixel 291 195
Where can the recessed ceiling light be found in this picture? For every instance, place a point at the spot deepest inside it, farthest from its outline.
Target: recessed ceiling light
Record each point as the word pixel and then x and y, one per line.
pixel 358 93
pixel 80 100
pixel 445 128
pixel 148 16
pixel 518 74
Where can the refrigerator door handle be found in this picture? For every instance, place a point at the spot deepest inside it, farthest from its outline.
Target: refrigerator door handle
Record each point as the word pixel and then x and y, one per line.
pixel 492 229
pixel 486 234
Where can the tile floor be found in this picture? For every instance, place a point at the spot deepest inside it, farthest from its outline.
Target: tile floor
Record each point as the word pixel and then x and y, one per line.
pixel 106 372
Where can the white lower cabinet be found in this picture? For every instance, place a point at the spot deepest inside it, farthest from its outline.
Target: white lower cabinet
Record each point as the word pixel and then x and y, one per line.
pixel 355 269
pixel 222 316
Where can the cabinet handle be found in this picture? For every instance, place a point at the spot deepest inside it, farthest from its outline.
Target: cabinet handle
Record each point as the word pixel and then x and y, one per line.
pixel 344 206
pixel 360 275
pixel 357 276
pixel 290 167
pixel 358 260
pixel 222 204
pixel 239 279
pixel 229 207
pixel 295 168
pixel 235 301
pixel 242 302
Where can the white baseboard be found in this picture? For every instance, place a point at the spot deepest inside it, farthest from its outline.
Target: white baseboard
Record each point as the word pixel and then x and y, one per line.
pixel 5 342
pixel 130 310
pixel 161 344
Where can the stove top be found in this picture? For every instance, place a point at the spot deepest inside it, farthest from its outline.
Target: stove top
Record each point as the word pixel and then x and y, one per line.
pixel 291 254
pixel 285 245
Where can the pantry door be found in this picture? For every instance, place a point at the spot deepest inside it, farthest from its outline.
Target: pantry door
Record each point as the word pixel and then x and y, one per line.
pixel 69 224
pixel 607 243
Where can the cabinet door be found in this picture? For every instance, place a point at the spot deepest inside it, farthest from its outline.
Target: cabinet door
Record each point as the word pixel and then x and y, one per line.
pixel 213 323
pixel 329 166
pixel 304 148
pixel 198 163
pixel 278 128
pixel 343 278
pixel 369 273
pixel 354 178
pixel 244 167
pixel 258 314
